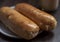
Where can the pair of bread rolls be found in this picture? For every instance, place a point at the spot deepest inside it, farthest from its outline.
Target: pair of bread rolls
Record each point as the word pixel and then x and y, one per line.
pixel 28 22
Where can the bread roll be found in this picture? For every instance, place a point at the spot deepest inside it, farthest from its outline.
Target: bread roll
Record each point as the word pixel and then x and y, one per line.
pixel 44 20
pixel 18 23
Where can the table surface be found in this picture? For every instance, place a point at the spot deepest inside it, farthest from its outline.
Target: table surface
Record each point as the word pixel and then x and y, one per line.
pixel 52 36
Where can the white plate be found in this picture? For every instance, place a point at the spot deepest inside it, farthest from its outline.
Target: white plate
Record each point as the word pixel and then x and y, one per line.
pixel 5 31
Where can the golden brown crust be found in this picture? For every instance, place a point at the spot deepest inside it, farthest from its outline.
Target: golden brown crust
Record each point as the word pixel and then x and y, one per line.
pixel 18 23
pixel 43 19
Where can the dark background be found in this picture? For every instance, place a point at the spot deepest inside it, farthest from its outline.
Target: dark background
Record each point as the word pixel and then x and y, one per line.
pixel 52 36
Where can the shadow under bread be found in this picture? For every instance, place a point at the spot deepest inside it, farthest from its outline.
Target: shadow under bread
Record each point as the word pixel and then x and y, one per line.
pixel 44 36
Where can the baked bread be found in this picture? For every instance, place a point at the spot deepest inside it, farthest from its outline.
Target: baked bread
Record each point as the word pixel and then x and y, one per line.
pixel 18 23
pixel 44 20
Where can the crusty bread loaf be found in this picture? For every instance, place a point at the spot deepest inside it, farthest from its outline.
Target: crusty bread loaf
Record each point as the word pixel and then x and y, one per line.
pixel 43 19
pixel 18 23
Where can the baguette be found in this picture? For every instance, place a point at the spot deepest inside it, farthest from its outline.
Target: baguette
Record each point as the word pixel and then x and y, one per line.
pixel 18 23
pixel 44 20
